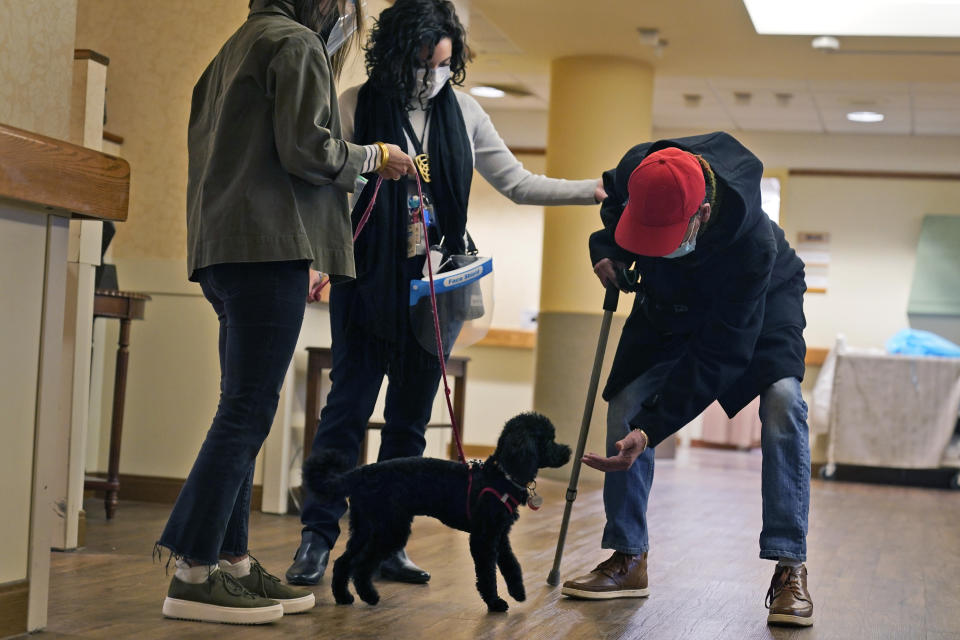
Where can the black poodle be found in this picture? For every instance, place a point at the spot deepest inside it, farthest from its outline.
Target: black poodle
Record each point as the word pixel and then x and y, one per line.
pixel 481 499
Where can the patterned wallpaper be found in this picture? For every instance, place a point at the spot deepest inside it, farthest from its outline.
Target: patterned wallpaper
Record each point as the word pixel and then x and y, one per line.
pixel 36 64
pixel 157 51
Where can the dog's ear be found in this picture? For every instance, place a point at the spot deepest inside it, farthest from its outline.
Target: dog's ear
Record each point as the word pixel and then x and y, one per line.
pixel 517 449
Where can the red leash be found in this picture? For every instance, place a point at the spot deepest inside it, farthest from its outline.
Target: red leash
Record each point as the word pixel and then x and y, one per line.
pixel 436 329
pixel 433 302
pixel 360 225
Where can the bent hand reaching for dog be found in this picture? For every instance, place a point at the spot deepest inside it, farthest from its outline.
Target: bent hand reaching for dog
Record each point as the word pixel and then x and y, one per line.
pixel 629 450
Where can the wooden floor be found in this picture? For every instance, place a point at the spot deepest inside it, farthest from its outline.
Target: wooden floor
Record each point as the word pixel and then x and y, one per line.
pixel 884 563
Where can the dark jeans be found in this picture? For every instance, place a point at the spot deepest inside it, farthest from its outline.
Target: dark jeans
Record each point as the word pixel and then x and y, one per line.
pixel 260 306
pixel 356 376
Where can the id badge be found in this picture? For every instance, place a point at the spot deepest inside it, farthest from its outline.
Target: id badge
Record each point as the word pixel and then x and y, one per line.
pixel 415 245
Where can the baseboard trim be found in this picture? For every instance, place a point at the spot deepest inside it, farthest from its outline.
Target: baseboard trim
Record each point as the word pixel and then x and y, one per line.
pixel 14 597
pixel 161 490
pixel 481 451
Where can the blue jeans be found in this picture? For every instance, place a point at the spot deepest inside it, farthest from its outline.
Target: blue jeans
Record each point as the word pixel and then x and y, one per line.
pixel 356 377
pixel 260 306
pixel 785 478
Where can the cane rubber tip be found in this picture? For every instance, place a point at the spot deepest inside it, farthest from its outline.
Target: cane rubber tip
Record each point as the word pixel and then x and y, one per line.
pixel 554 578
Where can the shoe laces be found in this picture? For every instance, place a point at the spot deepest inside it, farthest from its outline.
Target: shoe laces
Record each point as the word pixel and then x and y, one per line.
pixel 615 564
pixel 262 574
pixel 788 578
pixel 233 586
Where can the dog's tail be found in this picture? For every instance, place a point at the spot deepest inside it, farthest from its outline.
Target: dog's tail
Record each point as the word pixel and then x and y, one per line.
pixel 325 475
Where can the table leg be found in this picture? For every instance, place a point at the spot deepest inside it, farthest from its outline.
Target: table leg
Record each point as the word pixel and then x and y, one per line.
pixel 116 426
pixel 312 410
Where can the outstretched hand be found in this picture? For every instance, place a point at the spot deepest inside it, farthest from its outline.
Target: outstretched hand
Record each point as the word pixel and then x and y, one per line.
pixel 629 449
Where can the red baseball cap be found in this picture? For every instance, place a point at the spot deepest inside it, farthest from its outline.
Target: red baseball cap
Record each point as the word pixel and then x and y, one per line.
pixel 664 192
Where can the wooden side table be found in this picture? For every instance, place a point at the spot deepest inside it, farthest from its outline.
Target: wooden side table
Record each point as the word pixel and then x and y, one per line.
pixel 125 306
pixel 320 358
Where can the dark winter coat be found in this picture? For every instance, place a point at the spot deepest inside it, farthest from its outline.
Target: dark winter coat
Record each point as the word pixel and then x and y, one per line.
pixel 730 314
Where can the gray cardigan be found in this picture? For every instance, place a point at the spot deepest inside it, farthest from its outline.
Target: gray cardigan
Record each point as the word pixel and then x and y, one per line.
pixel 491 157
pixel 269 171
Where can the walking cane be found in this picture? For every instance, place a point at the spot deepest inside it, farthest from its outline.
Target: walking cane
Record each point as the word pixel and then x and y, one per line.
pixel 609 306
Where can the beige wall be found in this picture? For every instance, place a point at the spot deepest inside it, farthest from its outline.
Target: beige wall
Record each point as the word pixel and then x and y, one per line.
pixel 36 76
pixel 874 223
pixel 157 51
pixel 36 65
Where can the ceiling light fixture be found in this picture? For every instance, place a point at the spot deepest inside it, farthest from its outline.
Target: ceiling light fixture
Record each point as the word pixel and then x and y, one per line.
pixel 487 92
pixel 865 116
pixel 828 43
pixel 918 18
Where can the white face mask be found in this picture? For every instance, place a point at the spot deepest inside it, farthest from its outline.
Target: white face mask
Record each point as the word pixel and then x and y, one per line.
pixel 436 80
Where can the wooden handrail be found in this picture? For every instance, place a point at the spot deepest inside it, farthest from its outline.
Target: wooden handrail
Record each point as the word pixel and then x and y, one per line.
pixel 861 173
pixel 90 54
pixel 112 137
pixel 509 338
pixel 53 173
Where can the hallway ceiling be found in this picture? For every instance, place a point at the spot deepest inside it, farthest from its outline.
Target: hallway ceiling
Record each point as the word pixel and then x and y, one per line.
pixel 713 52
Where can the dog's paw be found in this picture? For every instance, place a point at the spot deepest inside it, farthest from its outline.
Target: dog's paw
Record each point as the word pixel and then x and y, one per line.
pixel 370 598
pixel 497 606
pixel 344 598
pixel 518 593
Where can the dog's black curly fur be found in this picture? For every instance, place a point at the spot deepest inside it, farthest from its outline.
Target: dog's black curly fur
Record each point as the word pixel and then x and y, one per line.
pixel 384 498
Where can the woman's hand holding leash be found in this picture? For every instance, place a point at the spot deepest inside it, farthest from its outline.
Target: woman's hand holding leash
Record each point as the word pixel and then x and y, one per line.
pixel 394 163
pixel 630 449
pixel 317 280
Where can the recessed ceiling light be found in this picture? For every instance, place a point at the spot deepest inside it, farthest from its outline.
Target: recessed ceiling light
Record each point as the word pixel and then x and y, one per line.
pixel 865 116
pixel 920 18
pixel 825 42
pixel 487 92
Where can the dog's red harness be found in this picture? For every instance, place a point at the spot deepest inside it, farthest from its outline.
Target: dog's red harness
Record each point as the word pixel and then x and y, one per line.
pixel 507 499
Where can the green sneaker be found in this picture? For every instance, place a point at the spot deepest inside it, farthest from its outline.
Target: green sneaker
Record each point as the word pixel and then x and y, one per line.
pixel 221 598
pixel 263 583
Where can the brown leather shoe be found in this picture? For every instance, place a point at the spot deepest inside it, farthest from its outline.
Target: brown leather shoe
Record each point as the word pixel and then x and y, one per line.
pixel 620 576
pixel 788 599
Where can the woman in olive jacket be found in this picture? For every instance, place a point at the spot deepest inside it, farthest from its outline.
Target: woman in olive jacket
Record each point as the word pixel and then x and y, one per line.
pixel 266 198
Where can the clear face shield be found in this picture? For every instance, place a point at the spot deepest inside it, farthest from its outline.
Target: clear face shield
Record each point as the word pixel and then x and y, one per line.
pixel 344 27
pixel 464 290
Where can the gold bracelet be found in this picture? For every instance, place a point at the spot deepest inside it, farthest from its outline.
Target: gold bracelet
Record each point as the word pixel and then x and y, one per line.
pixel 646 438
pixel 384 155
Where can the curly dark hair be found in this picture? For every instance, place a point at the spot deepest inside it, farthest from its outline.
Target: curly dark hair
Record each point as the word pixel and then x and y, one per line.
pixel 393 53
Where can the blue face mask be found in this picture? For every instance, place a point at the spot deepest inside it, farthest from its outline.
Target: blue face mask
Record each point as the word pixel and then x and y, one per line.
pixel 684 249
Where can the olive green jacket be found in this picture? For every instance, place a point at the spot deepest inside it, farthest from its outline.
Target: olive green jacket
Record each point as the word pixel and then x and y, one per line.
pixel 268 171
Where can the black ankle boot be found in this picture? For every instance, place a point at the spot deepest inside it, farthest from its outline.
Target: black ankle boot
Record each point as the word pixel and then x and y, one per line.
pixel 310 561
pixel 398 568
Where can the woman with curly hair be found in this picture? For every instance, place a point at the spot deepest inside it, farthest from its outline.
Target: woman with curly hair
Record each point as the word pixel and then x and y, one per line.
pixel 416 55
